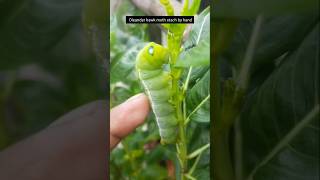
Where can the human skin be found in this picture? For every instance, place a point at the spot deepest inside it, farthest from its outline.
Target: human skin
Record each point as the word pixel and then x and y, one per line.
pixel 75 145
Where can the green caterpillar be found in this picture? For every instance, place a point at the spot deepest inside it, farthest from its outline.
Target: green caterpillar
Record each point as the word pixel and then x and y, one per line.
pixel 158 86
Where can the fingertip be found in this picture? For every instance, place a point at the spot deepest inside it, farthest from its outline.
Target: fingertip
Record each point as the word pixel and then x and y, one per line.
pixel 144 100
pixel 129 115
pixel 138 108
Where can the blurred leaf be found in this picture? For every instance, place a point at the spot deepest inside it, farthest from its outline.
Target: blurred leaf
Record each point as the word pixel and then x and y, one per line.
pixel 31 29
pixel 278 35
pixel 124 68
pixel 95 21
pixel 34 103
pixel 252 8
pixel 223 33
pixel 133 30
pixel 283 86
pixel 277 107
pixel 124 47
pixel 43 44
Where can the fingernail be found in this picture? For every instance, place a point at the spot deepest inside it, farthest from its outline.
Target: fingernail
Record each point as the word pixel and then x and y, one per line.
pixel 134 97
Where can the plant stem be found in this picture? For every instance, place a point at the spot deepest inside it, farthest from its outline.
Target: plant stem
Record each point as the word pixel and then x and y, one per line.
pixel 198 151
pixel 238 169
pixel 247 61
pixel 174 39
pixel 181 145
pixel 221 152
pixel 178 98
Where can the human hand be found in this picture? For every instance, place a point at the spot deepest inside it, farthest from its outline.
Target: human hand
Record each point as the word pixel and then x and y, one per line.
pixel 126 117
pixel 74 146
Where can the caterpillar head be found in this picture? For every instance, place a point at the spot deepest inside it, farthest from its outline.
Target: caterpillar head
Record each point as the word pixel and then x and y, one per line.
pixel 152 56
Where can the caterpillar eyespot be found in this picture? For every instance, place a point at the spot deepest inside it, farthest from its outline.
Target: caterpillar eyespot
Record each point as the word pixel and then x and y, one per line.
pixel 150 50
pixel 158 87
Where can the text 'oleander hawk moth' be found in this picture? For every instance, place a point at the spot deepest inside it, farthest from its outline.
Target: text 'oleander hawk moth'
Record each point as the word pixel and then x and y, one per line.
pixel 158 86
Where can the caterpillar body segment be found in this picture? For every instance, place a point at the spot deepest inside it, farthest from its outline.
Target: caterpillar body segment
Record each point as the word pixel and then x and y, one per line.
pixel 157 84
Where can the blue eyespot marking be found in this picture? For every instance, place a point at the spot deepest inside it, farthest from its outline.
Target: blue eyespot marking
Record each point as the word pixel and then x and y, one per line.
pixel 151 50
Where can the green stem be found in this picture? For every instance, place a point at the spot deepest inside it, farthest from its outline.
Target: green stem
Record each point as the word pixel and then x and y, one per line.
pixel 185 87
pixel 182 142
pixel 194 165
pixel 174 39
pixel 198 151
pixel 181 145
pixel 182 150
pixel 247 61
pixel 222 164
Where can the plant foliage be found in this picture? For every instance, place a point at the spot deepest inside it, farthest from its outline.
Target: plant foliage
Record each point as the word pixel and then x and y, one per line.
pixel 269 51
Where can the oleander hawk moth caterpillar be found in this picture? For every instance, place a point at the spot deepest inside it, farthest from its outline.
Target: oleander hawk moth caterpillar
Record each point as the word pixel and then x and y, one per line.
pixel 158 86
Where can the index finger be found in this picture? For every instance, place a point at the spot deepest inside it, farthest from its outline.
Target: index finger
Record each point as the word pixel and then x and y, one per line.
pixel 126 117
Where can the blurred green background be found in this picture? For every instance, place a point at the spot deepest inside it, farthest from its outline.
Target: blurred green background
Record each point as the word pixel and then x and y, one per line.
pixel 48 65
pixel 272 48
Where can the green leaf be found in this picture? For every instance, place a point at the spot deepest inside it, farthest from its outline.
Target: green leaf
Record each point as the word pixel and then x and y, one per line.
pixel 197 56
pixel 196 95
pixel 199 135
pixel 200 76
pixel 124 69
pixel 197 74
pixel 278 109
pixel 252 8
pixel 200 29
